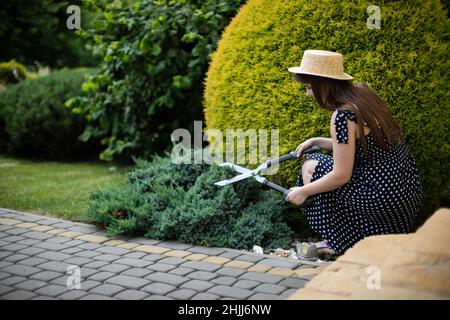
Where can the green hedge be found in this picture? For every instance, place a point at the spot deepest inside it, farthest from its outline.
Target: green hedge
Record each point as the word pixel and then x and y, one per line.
pixel 406 62
pixel 162 200
pixel 36 122
pixel 150 81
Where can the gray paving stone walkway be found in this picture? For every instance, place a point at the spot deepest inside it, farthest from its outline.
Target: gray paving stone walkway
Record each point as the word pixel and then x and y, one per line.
pixel 43 258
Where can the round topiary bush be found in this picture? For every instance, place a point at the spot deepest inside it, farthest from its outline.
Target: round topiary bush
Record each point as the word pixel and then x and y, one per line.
pixel 406 61
pixel 36 122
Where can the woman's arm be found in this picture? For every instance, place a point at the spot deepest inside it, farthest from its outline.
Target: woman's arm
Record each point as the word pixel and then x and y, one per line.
pixel 343 156
pixel 323 143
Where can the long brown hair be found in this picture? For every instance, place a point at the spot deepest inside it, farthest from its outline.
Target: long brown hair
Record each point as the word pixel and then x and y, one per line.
pixel 369 108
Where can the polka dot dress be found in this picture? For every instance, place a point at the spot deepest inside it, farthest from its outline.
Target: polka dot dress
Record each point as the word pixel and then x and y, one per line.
pixel 383 195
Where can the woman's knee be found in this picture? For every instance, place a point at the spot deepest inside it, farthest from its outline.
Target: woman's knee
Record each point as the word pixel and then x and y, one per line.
pixel 308 170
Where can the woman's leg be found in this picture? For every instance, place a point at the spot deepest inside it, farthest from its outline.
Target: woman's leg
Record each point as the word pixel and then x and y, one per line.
pixel 308 170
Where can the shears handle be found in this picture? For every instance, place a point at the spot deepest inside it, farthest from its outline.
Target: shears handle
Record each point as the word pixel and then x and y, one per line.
pixel 289 156
pixel 285 192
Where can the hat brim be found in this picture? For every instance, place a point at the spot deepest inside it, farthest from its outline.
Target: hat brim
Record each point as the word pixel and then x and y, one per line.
pixel 345 76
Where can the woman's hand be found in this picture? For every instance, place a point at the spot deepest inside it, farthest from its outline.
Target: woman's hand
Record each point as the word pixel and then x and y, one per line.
pixel 296 196
pixel 305 145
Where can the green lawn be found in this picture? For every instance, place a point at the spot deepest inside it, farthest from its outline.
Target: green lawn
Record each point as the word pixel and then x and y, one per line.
pixel 53 188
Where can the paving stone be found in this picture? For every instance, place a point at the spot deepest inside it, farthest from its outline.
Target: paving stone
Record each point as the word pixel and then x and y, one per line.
pixel 106 257
pixel 128 281
pixel 261 277
pixel 293 283
pixel 134 255
pixel 158 288
pixel 260 268
pixel 207 251
pixel 5 254
pixel 142 240
pixel 172 260
pixel 40 228
pixel 226 281
pixel 96 264
pixel 93 238
pixel 158 297
pixel 5 289
pixel 114 268
pixel 21 270
pixel 231 272
pixel 182 294
pixel 89 246
pixel 112 250
pixel 73 243
pixel 56 231
pixel 168 278
pixel 137 272
pixel 18 295
pixel 59 239
pixel 88 285
pixel 11 281
pixel 265 296
pixel 87 254
pixel 288 292
pixel 202 266
pixel 84 229
pixel 150 249
pixel 239 264
pixel 131 295
pixel 96 297
pixel 32 262
pixel 16 257
pixel 205 296
pixel 28 217
pixel 202 275
pixel 53 256
pixel 63 225
pixel 57 266
pixel 3 243
pixel 31 251
pixel 250 258
pixel 14 247
pixel 71 250
pixel 51 290
pixel 13 239
pixel 134 262
pixel 181 271
pixel 197 285
pixel 217 260
pixel 230 292
pixel 269 288
pixel 16 231
pixel 29 242
pixel 30 285
pixel 128 245
pixel 177 253
pixel 107 289
pixel 101 276
pixel 46 276
pixel 87 272
pixel 161 267
pixel 37 235
pixel 48 222
pixel 196 257
pixel 78 261
pixel 153 257
pixel 4 264
pixel 4 275
pixel 281 263
pixel 246 284
pixel 73 294
pixel 51 246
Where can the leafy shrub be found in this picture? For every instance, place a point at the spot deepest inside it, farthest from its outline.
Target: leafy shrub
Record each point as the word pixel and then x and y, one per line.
pixel 406 62
pixel 155 55
pixel 36 121
pixel 36 31
pixel 163 200
pixel 12 72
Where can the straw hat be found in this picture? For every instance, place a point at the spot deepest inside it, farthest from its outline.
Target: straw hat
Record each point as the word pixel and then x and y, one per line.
pixel 322 63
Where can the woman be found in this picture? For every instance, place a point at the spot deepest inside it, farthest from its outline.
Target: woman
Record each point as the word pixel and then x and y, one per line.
pixel 371 184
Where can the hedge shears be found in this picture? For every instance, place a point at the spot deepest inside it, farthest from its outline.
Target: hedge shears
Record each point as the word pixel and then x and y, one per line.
pixel 248 173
